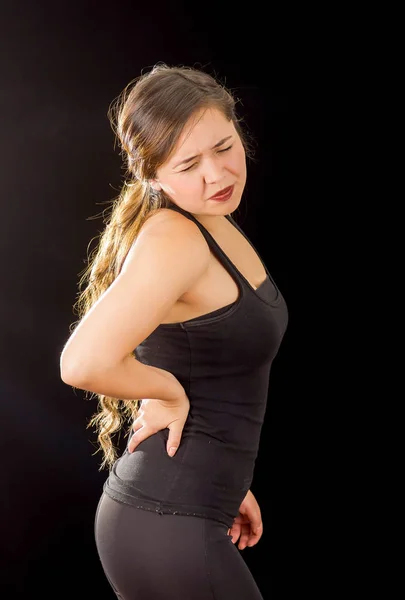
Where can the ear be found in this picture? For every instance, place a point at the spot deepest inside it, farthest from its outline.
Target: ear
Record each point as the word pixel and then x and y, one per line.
pixel 155 185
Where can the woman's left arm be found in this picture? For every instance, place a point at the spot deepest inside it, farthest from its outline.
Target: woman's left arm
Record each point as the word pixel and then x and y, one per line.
pixel 248 525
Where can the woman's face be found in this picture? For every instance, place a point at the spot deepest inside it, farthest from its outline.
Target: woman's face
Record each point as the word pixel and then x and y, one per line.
pixel 208 157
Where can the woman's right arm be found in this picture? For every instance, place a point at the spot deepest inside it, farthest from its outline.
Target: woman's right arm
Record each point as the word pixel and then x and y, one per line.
pixel 131 379
pixel 167 258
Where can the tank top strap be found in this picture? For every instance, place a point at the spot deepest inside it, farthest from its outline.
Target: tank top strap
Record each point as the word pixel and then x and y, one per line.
pixel 238 227
pixel 212 243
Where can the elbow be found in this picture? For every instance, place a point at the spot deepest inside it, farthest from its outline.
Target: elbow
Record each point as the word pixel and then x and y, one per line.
pixel 71 380
pixel 71 377
pixel 83 374
pixel 72 374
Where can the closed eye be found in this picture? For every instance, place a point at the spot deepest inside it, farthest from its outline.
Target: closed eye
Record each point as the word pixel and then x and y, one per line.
pixel 225 149
pixel 194 164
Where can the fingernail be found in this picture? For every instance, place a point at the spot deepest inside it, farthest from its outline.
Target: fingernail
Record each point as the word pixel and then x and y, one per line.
pixel 172 451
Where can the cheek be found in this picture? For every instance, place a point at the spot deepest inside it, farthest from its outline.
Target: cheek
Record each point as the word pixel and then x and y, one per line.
pixel 185 185
pixel 237 164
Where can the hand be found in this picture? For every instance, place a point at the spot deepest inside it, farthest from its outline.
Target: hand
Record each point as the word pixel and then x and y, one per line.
pixel 154 415
pixel 248 525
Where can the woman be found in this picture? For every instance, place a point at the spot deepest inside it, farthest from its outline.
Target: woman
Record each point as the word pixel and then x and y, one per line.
pixel 175 278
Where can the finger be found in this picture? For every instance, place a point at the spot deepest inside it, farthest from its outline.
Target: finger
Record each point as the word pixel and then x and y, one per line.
pixel 244 538
pixel 255 535
pixel 139 436
pixel 132 444
pixel 257 529
pixel 242 519
pixel 137 423
pixel 173 441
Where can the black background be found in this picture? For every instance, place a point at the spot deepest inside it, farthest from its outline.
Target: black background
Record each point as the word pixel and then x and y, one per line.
pixel 62 65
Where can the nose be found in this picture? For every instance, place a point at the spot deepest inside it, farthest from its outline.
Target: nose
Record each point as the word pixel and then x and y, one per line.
pixel 213 171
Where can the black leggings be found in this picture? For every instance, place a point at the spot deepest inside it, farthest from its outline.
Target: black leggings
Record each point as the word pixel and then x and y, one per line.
pixel 151 556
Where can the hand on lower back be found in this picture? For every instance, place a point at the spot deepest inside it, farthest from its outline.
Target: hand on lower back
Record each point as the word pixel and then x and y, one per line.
pixel 154 415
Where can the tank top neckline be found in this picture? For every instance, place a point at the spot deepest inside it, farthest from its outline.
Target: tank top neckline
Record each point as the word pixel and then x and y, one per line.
pixel 233 267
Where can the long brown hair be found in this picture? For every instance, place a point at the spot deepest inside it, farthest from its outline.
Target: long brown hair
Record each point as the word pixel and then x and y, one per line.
pixel 147 118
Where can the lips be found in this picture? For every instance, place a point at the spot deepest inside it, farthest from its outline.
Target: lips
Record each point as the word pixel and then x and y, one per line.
pixel 223 192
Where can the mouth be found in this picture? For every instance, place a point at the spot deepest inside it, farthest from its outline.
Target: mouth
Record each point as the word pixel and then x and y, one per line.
pixel 222 194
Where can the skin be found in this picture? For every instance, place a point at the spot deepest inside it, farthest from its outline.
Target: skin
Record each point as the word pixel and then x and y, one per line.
pixel 191 185
pixel 248 525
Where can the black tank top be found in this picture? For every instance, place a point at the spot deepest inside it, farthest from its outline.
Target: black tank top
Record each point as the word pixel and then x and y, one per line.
pixel 223 361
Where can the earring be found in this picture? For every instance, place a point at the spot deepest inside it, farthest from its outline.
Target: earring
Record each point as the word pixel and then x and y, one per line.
pixel 154 185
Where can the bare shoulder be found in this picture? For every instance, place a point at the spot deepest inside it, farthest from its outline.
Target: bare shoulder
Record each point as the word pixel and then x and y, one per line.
pixel 168 241
pixel 165 220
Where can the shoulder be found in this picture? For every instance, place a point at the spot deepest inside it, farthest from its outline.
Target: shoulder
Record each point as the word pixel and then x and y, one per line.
pixel 173 239
pixel 165 215
pixel 174 225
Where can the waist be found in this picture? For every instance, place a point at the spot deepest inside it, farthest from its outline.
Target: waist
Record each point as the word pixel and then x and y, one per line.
pixel 204 477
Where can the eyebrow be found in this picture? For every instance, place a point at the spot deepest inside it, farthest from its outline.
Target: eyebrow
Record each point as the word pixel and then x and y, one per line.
pixel 187 160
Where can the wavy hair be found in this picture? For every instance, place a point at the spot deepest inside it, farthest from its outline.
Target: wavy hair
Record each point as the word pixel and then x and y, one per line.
pixel 147 117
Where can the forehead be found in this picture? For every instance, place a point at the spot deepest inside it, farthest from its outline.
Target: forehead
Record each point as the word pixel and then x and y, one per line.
pixel 202 131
